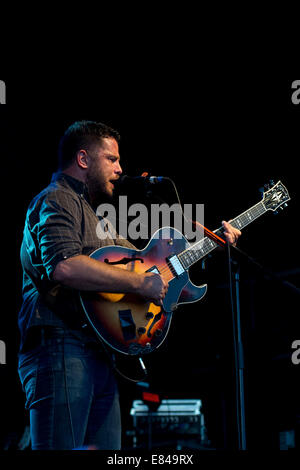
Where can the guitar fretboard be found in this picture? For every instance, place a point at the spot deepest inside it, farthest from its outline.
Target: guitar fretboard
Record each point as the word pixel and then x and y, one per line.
pixel 202 248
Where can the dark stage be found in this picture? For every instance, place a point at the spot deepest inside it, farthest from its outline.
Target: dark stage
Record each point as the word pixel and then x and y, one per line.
pixel 219 146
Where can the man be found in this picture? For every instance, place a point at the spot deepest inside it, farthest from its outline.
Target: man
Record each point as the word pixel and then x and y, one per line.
pixel 67 377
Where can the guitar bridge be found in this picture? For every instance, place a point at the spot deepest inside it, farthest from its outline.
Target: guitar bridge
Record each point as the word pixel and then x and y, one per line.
pixel 154 269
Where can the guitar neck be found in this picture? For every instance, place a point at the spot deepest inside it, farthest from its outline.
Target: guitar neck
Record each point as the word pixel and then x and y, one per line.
pixel 202 248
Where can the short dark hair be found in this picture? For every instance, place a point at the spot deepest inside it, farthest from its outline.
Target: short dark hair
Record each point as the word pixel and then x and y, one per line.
pixel 82 135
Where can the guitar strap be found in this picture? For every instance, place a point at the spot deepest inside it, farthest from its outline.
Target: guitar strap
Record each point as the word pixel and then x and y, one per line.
pixel 212 235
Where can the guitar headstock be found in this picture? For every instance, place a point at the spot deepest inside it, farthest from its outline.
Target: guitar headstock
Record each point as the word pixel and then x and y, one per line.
pixel 276 197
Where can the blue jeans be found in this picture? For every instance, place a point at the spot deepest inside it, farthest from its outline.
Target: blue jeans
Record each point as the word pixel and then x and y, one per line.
pixel 71 394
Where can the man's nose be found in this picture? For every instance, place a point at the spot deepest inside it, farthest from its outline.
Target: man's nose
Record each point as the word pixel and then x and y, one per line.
pixel 118 169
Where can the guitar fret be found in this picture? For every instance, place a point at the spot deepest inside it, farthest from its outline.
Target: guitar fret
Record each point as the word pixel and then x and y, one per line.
pixel 238 224
pixel 248 216
pixel 202 248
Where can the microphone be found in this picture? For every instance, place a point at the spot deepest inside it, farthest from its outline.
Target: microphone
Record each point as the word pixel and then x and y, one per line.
pixel 144 178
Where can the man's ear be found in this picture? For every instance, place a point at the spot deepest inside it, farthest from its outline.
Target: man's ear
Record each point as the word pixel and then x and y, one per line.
pixel 82 159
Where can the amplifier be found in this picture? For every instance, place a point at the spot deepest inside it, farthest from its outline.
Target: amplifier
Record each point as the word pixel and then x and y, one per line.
pixel 172 416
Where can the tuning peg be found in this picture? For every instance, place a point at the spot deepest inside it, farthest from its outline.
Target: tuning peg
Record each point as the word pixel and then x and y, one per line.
pixel 282 207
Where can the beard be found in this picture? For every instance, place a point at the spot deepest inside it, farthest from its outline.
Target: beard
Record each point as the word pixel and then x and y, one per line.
pixel 97 190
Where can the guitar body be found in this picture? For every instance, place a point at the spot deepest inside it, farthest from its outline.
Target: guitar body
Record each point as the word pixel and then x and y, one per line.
pixel 133 326
pixel 126 322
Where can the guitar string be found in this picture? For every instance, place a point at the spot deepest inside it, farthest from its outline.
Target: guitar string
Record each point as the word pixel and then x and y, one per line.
pixel 240 221
pixel 191 251
pixel 257 210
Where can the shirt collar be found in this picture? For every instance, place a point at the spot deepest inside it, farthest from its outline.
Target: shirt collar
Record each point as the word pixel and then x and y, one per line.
pixel 78 186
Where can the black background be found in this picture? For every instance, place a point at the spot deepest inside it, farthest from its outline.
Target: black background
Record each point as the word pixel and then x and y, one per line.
pixel 220 139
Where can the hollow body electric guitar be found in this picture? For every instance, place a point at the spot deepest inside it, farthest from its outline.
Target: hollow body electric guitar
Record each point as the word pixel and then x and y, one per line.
pixel 133 326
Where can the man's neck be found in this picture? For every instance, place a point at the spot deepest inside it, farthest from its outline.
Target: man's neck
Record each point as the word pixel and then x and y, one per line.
pixel 75 174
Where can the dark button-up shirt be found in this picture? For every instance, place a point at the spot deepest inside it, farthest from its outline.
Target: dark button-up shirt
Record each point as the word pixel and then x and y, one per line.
pixel 60 223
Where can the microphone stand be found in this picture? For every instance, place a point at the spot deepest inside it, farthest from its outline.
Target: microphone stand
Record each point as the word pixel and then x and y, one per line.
pixel 242 433
pixel 239 352
pixel 234 268
pixel 237 338
pixel 241 421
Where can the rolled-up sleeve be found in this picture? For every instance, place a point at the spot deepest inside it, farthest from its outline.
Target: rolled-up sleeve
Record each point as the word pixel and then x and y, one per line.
pixel 58 230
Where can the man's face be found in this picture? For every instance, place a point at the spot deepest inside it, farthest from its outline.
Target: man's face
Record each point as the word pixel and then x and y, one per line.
pixel 104 169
